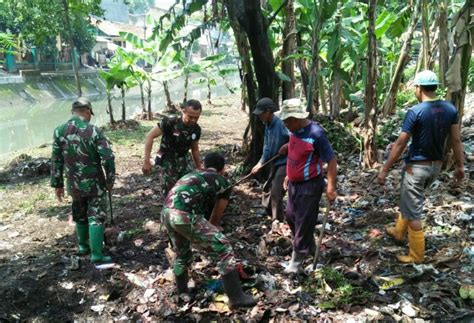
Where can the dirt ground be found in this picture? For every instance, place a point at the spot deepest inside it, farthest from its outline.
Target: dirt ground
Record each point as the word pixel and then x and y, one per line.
pixel 358 278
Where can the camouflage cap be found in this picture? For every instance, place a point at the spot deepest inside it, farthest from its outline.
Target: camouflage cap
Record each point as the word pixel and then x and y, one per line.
pixel 82 102
pixel 293 108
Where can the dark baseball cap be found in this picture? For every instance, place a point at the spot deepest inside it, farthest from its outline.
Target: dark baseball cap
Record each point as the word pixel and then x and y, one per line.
pixel 82 103
pixel 263 105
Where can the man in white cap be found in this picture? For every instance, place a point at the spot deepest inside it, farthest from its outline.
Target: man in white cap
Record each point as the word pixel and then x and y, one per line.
pixel 427 124
pixel 308 149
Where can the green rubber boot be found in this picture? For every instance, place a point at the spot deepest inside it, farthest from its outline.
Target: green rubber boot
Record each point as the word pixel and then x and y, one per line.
pixel 82 233
pixel 96 236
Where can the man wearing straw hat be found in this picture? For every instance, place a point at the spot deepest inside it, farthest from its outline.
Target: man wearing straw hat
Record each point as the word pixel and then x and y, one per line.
pixel 308 149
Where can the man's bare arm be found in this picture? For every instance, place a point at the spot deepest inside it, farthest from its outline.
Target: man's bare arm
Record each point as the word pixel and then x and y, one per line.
pixel 395 154
pixel 152 134
pixel 218 211
pixel 196 154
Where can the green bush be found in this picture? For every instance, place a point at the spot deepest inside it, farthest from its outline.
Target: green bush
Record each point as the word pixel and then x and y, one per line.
pixel 404 98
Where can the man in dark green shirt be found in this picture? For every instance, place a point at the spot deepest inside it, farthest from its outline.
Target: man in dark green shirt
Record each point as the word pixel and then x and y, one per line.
pixel 178 136
pixel 81 150
pixel 194 198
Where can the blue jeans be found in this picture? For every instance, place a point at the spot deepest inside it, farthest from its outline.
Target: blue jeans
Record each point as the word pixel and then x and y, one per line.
pixel 416 178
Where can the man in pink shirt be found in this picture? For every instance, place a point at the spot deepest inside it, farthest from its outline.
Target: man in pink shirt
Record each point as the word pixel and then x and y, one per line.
pixel 308 149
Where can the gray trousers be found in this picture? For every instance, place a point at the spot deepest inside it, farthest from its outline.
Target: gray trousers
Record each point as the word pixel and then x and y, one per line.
pixel 273 192
pixel 416 178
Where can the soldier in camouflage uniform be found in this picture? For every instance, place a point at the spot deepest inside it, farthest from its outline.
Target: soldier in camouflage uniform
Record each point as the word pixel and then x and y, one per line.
pixel 81 150
pixel 178 136
pixel 195 197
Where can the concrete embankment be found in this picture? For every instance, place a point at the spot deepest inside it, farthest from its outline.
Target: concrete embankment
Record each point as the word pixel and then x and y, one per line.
pixel 18 90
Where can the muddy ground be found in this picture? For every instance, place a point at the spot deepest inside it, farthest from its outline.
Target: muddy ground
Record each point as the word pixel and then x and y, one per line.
pixel 357 279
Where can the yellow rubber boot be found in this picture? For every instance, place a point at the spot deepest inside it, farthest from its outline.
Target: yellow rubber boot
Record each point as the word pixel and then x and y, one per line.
pixel 399 231
pixel 416 242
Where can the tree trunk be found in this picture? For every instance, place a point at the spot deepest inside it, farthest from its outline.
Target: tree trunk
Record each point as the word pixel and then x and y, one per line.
pixel 169 103
pixel 251 19
pixel 426 35
pixel 322 95
pixel 443 41
pixel 458 72
pixel 209 91
pixel 124 117
pixel 186 83
pixel 249 15
pixel 150 114
pixel 303 68
pixel 142 96
pixel 110 109
pixel 243 87
pixel 370 123
pixel 312 103
pixel 388 106
pixel 72 47
pixel 336 96
pixel 287 65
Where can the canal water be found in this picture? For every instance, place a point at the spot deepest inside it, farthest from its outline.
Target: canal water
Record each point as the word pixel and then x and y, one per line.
pixel 31 126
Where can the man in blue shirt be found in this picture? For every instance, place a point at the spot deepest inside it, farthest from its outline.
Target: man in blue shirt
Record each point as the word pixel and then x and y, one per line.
pixel 276 136
pixel 428 124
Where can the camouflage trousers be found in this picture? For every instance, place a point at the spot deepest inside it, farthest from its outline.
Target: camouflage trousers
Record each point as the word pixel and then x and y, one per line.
pixel 186 230
pixel 90 210
pixel 173 168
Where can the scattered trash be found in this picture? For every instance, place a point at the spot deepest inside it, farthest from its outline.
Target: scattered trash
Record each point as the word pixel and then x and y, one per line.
pixel 98 308
pixel 138 242
pixel 121 236
pixel 469 252
pixel 408 309
pixel 107 266
pixel 465 217
pixel 356 213
pixel 140 281
pixel 149 293
pixel 357 237
pixel 268 281
pixel 388 282
pixel 422 268
pixel 214 285
pixel 466 291
pixel 67 285
pixel 75 265
pixel 374 233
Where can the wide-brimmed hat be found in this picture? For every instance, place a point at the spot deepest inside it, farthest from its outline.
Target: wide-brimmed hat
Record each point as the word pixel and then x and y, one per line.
pixel 81 103
pixel 293 108
pixel 263 105
pixel 426 78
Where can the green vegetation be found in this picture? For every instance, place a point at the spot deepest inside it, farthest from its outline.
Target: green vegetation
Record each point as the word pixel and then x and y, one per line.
pixel 129 135
pixel 39 22
pixel 333 290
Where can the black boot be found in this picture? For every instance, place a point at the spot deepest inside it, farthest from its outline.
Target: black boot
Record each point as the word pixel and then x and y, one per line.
pixel 233 289
pixel 182 283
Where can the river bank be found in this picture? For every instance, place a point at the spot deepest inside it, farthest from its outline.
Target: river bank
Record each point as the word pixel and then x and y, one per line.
pixel 32 109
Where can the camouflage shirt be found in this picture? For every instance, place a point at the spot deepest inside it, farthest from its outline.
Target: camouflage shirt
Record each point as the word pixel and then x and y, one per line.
pixel 82 149
pixel 176 136
pixel 197 192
